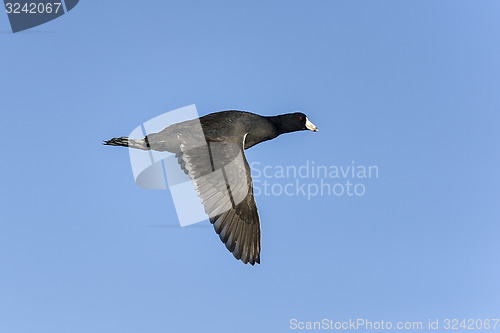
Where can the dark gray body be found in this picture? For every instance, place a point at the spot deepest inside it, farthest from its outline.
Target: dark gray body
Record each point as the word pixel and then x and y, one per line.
pixel 224 126
pixel 215 144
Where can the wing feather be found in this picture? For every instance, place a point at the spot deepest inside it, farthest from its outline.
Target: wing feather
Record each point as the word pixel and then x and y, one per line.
pixel 221 176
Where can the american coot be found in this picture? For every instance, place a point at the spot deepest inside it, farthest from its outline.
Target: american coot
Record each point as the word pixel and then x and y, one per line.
pixel 213 158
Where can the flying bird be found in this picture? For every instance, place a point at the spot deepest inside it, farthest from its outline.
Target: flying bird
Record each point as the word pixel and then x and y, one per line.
pixel 210 150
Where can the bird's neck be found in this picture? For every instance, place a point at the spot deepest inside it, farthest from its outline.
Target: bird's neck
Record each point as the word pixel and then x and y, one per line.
pixel 263 129
pixel 281 127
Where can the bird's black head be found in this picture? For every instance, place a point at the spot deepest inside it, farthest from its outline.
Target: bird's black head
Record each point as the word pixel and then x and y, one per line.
pixel 292 122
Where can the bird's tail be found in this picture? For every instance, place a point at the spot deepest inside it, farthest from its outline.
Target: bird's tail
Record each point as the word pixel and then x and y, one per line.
pixel 126 142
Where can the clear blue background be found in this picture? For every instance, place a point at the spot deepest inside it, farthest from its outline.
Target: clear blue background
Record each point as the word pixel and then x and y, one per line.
pixel 410 86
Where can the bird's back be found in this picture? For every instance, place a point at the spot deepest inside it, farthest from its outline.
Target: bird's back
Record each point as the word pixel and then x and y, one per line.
pixel 224 126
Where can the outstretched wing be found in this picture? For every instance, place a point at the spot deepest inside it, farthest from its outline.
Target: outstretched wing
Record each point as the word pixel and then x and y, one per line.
pixel 221 176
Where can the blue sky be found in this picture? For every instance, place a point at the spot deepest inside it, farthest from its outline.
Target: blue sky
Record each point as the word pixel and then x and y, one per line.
pixel 409 86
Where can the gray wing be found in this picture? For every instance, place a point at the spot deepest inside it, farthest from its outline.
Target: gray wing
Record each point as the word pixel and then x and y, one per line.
pixel 221 176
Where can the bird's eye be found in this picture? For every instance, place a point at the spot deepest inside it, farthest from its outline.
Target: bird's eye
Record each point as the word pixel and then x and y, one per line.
pixel 300 118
